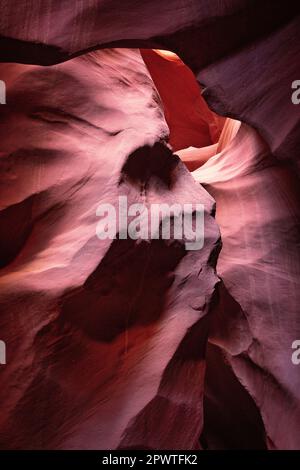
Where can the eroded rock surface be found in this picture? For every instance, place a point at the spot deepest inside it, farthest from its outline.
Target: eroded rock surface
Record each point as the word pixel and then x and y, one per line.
pixel 256 321
pixel 245 53
pixel 107 342
pixel 105 338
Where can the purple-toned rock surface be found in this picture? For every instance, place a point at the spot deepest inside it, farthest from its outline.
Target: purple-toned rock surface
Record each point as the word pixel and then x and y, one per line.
pixel 136 344
pixel 105 338
pixel 246 53
pixel 258 213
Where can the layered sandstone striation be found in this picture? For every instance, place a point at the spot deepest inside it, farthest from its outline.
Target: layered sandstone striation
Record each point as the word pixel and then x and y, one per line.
pixel 143 344
pixel 105 338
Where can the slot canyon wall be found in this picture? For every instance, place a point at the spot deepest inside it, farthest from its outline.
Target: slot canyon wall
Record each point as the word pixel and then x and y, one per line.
pixel 136 344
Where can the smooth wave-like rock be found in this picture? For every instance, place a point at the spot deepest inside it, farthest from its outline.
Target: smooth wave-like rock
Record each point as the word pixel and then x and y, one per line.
pixel 103 336
pixel 245 53
pixel 107 342
pixel 191 123
pixel 257 201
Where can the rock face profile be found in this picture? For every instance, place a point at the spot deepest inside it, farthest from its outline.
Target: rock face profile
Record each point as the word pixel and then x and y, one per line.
pixel 141 343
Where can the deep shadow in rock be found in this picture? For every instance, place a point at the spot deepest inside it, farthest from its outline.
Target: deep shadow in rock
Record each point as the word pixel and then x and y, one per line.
pixel 231 417
pixel 147 162
pixel 117 294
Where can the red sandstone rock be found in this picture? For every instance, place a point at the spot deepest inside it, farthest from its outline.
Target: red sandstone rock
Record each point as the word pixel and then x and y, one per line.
pixel 246 53
pixel 101 352
pixel 190 121
pixel 103 337
pixel 257 210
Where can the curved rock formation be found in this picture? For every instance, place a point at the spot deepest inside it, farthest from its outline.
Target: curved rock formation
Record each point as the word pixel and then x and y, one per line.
pixel 237 49
pixel 190 121
pixel 120 343
pixel 102 335
pixel 258 212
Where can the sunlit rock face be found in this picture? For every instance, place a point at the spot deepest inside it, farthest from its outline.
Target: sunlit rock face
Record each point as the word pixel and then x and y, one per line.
pixel 106 338
pixel 244 52
pixel 190 121
pixel 126 344
pixel 257 319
